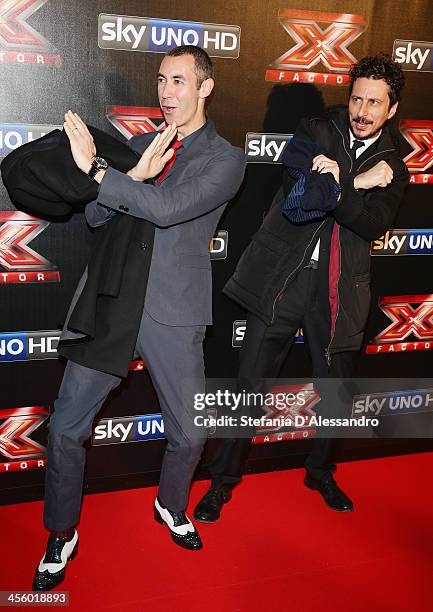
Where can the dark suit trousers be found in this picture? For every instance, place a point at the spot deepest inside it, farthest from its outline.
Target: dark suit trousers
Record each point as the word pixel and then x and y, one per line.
pixel 174 357
pixel 263 352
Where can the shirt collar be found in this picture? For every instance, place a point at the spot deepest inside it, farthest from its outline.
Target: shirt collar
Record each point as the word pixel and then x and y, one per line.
pixel 187 141
pixel 368 141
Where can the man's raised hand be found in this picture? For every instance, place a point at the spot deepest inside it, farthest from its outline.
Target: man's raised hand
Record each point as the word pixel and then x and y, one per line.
pixel 82 145
pixel 156 155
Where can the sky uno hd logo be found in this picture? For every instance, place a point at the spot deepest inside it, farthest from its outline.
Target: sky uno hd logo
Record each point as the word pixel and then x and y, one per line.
pixel 404 242
pixel 19 42
pixel 411 328
pixel 265 148
pixel 16 444
pixel 393 402
pixel 238 334
pixel 134 120
pixel 119 430
pixel 13 135
pixel 413 55
pixel 160 35
pixel 21 262
pixel 419 134
pixel 26 346
pixel 219 245
pixel 240 327
pixel 314 45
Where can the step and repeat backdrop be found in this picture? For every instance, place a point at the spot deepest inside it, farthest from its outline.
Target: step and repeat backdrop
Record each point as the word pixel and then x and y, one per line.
pixel 276 61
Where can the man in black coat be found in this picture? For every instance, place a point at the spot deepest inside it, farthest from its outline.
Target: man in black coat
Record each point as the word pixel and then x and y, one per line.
pixel 316 274
pixel 149 291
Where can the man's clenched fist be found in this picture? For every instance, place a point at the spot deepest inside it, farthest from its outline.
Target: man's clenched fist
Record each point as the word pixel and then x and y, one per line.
pixel 379 176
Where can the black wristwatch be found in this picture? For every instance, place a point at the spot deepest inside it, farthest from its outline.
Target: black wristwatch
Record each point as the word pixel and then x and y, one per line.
pixel 98 163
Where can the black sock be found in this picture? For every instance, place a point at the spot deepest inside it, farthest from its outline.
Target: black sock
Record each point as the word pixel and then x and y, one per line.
pixel 67 534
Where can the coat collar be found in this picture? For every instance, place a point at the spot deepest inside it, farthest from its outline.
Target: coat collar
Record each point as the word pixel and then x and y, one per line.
pixel 198 145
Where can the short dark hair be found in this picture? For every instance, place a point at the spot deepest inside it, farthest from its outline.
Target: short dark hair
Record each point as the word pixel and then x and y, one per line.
pixel 202 61
pixel 380 66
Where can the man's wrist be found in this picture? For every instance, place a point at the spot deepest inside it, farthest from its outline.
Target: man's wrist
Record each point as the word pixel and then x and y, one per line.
pixel 99 176
pixel 133 175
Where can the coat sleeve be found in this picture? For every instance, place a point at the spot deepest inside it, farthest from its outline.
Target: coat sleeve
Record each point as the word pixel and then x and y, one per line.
pixel 371 212
pixel 168 205
pixel 97 214
pixel 303 132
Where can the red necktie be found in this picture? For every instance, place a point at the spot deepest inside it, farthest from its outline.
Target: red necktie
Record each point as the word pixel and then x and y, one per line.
pixel 175 146
pixel 334 274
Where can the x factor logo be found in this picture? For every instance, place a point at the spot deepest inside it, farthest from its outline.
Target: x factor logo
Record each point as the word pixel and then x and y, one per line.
pixel 16 444
pixel 133 120
pixel 419 134
pixel 22 263
pixel 289 402
pixel 314 45
pixel 19 42
pixel 411 327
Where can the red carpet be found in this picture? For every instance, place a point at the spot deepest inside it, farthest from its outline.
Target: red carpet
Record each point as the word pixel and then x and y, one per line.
pixel 277 547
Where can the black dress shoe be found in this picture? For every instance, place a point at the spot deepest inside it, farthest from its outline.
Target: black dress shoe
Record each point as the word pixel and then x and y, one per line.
pixel 208 509
pixel 52 567
pixel 181 529
pixel 333 496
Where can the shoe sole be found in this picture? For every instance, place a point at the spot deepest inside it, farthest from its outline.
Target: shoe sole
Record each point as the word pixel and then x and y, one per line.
pixel 313 488
pixel 208 522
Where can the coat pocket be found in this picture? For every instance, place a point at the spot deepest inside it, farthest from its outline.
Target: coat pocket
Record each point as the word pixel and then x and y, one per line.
pixel 361 296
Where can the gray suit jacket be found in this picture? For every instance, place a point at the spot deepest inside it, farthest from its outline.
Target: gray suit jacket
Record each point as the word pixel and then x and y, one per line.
pixel 186 209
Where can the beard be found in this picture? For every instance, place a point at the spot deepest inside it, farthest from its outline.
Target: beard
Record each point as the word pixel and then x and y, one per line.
pixel 361 121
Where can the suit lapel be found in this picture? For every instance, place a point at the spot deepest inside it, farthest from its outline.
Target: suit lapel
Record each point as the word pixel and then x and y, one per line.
pixel 194 151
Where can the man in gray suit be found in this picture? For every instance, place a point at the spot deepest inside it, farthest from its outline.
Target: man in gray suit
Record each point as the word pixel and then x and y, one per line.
pixel 182 191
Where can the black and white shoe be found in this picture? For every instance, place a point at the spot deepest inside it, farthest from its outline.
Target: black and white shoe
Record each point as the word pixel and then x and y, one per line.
pixel 51 570
pixel 181 529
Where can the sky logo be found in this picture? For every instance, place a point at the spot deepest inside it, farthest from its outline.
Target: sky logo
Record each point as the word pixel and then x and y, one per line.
pixel 414 55
pixel 119 430
pixel 404 242
pixel 126 33
pixel 265 148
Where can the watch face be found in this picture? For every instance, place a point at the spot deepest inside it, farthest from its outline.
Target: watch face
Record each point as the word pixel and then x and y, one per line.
pixel 100 163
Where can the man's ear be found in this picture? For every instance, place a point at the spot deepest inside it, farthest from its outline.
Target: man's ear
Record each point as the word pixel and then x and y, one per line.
pixel 392 110
pixel 206 88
